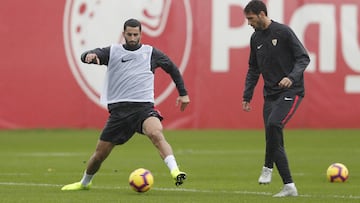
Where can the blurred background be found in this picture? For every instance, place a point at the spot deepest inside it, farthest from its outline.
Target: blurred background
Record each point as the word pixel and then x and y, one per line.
pixel 45 85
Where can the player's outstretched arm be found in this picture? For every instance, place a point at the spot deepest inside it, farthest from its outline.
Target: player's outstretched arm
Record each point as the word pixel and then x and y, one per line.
pixel 98 56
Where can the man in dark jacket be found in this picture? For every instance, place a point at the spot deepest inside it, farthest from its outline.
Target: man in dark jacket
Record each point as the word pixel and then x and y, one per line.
pixel 278 55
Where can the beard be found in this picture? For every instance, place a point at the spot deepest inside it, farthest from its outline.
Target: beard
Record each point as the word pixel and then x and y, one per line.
pixel 132 45
pixel 261 25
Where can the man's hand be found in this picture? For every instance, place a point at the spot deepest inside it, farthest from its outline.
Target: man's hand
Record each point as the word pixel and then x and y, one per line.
pixel 183 101
pixel 285 83
pixel 246 106
pixel 92 58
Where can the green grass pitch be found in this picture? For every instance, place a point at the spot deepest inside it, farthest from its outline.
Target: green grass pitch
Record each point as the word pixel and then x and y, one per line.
pixel 222 166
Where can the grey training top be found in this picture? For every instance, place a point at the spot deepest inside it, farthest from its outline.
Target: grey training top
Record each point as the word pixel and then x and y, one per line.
pixel 130 73
pixel 128 77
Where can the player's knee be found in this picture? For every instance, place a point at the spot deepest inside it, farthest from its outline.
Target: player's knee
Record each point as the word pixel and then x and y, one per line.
pixel 274 124
pixel 156 136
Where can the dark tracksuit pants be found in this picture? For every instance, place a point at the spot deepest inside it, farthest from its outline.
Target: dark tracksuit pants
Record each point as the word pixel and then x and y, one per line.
pixel 277 112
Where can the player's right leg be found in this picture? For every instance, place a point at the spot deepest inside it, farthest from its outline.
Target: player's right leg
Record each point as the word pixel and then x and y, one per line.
pixel 266 172
pixel 265 176
pixel 103 149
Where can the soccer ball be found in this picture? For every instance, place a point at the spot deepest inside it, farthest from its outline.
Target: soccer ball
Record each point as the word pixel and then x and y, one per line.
pixel 337 172
pixel 141 180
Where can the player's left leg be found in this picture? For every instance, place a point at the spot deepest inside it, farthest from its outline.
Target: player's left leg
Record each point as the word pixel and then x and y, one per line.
pixel 285 108
pixel 152 128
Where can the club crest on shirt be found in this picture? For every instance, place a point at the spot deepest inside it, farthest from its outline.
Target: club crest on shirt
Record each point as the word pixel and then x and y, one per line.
pixel 274 42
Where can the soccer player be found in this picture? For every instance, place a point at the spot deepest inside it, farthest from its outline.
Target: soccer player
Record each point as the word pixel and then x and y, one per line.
pixel 277 54
pixel 129 95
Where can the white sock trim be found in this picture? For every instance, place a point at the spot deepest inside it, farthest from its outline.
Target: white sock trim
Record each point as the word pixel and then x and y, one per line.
pixel 86 179
pixel 170 161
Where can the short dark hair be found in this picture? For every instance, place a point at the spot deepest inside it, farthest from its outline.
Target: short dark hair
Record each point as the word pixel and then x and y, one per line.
pixel 255 6
pixel 132 23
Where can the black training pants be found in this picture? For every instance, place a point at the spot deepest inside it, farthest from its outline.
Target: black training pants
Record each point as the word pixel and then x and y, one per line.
pixel 277 112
